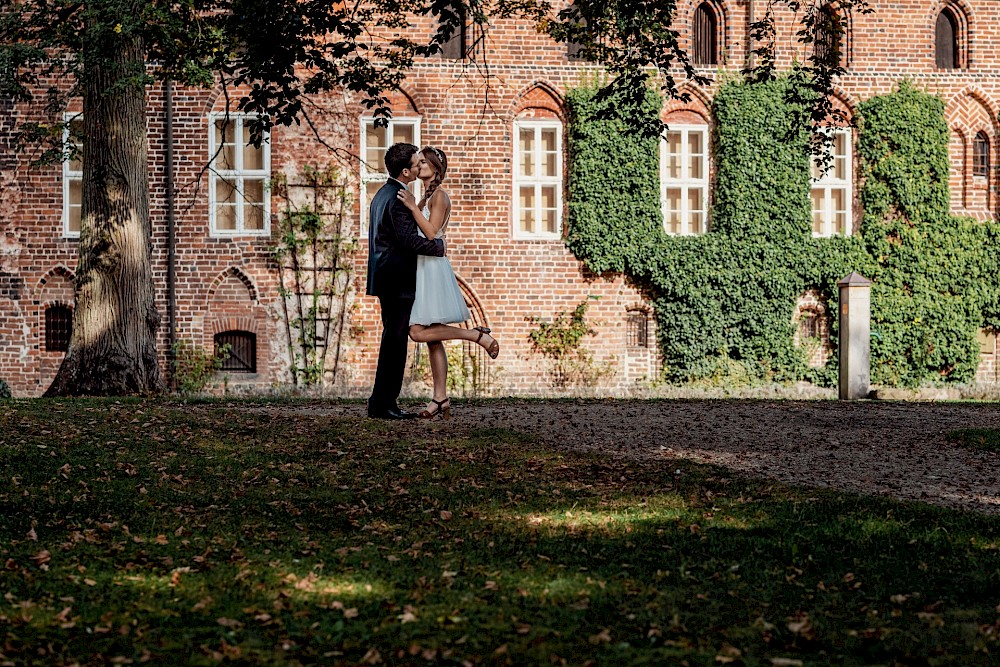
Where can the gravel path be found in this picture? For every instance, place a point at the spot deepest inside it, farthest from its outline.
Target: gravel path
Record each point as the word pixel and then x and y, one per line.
pixel 883 448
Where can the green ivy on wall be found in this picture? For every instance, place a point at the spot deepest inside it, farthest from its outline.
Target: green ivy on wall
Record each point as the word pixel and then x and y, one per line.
pixel 725 300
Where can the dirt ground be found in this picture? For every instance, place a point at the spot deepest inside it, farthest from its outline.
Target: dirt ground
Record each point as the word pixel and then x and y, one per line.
pixel 873 447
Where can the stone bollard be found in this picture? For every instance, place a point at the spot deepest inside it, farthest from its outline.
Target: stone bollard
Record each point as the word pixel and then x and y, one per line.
pixel 855 338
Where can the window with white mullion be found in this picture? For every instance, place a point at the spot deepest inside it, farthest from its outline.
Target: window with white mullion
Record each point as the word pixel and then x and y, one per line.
pixel 831 194
pixel 72 175
pixel 684 179
pixel 375 141
pixel 537 179
pixel 239 199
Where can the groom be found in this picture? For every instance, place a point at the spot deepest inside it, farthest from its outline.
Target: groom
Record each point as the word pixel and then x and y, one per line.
pixel 393 246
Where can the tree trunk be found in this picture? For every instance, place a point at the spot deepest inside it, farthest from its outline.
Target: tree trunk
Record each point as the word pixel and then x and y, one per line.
pixel 112 350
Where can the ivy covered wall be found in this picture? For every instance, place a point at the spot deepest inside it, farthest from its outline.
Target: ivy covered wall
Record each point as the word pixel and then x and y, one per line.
pixel 725 300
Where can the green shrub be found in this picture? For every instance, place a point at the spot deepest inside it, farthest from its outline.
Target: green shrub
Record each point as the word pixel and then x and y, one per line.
pixel 5 392
pixel 194 367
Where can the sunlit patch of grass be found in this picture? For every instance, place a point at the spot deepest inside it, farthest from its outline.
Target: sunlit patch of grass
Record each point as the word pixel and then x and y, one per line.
pixel 986 439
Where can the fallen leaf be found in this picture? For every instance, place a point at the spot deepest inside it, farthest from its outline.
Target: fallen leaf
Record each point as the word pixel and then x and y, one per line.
pixel 42 557
pixel 786 662
pixel 602 637
pixel 728 654
pixel 446 515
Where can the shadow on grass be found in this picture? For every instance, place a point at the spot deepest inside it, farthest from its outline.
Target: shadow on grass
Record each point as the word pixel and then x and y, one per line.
pixel 146 531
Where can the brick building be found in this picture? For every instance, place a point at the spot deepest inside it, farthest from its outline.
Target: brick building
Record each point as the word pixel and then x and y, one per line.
pixel 505 139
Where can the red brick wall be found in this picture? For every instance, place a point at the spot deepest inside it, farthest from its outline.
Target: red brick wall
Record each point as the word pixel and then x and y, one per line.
pixel 232 282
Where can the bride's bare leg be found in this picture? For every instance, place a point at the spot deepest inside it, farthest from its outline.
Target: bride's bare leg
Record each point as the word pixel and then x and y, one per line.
pixel 440 332
pixel 439 371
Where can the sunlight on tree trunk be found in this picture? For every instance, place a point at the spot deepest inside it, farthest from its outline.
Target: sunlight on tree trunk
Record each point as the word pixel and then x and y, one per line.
pixel 113 346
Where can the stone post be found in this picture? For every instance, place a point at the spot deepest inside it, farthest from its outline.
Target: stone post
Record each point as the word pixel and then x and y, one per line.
pixel 855 339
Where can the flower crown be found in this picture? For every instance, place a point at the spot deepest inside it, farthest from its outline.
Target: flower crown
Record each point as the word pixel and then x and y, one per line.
pixel 439 154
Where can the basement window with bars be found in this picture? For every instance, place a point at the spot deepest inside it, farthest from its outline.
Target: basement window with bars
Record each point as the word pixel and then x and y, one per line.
pixel 58 328
pixel 239 351
pixel 637 329
pixel 810 325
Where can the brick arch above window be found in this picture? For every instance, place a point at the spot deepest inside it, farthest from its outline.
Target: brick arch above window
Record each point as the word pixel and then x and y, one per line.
pixel 696 110
pixel 58 285
pixel 403 102
pixel 228 274
pixel 60 271
pixel 961 109
pixel 539 100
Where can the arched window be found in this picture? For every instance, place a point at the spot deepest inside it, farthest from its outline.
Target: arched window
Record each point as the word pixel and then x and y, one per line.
pixel 706 32
pixel 828 32
pixel 946 40
pixel 58 327
pixel 239 349
pixel 981 156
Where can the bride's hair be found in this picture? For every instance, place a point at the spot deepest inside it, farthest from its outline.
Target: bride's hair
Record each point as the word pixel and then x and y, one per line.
pixel 439 161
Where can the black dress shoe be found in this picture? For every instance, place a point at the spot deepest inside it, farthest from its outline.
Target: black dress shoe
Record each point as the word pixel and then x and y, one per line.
pixel 391 413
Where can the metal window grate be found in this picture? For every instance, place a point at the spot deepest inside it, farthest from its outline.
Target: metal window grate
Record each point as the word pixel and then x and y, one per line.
pixel 810 325
pixel 58 328
pixel 946 40
pixel 706 51
pixel 981 156
pixel 637 330
pixel 242 351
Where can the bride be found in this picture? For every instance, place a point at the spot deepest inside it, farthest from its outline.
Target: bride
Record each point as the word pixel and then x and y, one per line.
pixel 439 301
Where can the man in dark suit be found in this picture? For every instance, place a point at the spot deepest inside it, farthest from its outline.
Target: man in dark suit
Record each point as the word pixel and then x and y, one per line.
pixel 393 246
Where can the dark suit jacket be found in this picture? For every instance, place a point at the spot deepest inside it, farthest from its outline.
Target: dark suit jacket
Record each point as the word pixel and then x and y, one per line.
pixel 393 245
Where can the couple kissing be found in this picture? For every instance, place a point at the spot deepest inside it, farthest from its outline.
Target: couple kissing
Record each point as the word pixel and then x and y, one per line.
pixel 412 278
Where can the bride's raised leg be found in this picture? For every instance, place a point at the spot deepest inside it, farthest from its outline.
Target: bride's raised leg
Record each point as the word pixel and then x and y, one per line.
pixel 442 332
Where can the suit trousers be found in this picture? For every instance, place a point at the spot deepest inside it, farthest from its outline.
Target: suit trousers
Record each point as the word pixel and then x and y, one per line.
pixel 391 352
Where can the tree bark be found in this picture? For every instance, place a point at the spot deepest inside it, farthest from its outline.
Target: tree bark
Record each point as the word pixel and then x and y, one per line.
pixel 112 350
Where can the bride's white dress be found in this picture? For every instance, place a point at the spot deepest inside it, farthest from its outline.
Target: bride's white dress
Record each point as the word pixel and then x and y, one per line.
pixel 438 297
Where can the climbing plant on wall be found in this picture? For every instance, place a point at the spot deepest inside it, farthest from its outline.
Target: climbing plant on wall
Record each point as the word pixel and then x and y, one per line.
pixel 725 300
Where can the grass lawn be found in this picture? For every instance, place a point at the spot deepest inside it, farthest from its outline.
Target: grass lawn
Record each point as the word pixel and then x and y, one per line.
pixel 987 439
pixel 173 534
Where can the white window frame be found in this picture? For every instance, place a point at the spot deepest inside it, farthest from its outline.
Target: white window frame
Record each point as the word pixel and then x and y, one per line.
pixel 370 173
pixel 517 181
pixel 68 176
pixel 828 183
pixel 685 182
pixel 237 175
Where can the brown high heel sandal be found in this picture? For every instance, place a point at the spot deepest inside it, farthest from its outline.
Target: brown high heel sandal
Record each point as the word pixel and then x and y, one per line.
pixel 440 411
pixel 494 349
